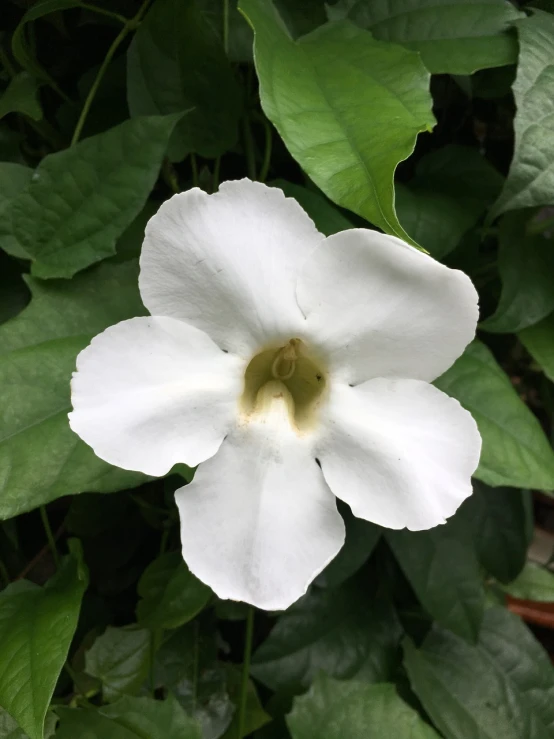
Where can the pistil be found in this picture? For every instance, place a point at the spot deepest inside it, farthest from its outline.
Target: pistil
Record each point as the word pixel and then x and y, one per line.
pixel 284 364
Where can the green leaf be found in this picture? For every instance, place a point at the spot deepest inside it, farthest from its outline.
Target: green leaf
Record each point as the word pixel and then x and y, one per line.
pixel 450 191
pixel 81 199
pixel 335 710
pixel 361 539
pixel 452 36
pixel 176 63
pixel 539 342
pixel 9 728
pixel 171 594
pixel 502 687
pixel 531 177
pixel 120 659
pixel 526 265
pixel 186 665
pixel 533 583
pixel 40 457
pixel 348 108
pixel 498 519
pixel 341 631
pixel 14 178
pixel 515 450
pixel 36 629
pixel 443 570
pixel 21 96
pixel 129 718
pixel 328 219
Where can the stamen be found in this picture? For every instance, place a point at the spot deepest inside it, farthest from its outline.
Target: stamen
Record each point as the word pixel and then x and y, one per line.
pixel 284 364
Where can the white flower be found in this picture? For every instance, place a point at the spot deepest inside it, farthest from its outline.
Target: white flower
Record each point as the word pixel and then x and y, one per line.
pixel 298 367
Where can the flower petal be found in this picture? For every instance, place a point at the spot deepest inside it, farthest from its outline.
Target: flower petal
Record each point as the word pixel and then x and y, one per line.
pixel 227 263
pixel 258 522
pixel 380 308
pixel 153 392
pixel 399 452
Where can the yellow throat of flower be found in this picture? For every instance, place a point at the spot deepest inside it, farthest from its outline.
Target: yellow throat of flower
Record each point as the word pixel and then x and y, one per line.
pixel 288 376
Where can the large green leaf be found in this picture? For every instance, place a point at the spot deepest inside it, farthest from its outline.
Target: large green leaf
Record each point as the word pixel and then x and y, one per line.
pixel 334 709
pixel 539 342
pixel 501 687
pixel 9 728
pixel 533 583
pixel 498 520
pixel 21 96
pixel 129 718
pixel 81 199
pixel 40 457
pixel 452 36
pixel 515 450
pixel 36 629
pixel 526 265
pixel 328 219
pixel 348 107
pixel 14 178
pixel 444 573
pixel 120 659
pixel 176 63
pixel 451 189
pixel 341 631
pixel 170 593
pixel 531 177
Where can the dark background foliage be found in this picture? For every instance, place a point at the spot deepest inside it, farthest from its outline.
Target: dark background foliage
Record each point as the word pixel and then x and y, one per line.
pixel 106 110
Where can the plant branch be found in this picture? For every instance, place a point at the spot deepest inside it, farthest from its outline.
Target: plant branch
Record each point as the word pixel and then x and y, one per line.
pixel 49 535
pixel 245 672
pixel 130 25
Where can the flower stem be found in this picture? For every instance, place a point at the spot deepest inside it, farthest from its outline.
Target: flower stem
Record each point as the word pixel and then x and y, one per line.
pixel 49 535
pixel 267 151
pixel 215 178
pixel 170 176
pixel 249 148
pixel 245 671
pixel 194 168
pixel 130 25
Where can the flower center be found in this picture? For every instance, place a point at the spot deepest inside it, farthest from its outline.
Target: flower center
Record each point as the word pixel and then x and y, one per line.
pixel 297 371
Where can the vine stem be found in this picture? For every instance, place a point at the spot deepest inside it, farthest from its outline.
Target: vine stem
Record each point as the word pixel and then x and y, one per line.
pixel 103 11
pixel 129 26
pixel 249 148
pixel 245 671
pixel 194 169
pixel 226 26
pixel 267 151
pixel 49 535
pixel 215 178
